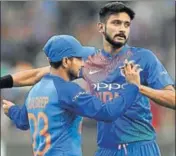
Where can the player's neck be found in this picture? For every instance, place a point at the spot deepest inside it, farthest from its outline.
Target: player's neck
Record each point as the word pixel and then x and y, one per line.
pixel 110 49
pixel 61 73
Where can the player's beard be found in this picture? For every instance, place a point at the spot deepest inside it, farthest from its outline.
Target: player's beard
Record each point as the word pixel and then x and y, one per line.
pixel 72 75
pixel 115 44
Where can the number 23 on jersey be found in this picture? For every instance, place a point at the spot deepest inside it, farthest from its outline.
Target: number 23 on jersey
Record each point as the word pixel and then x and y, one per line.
pixel 42 132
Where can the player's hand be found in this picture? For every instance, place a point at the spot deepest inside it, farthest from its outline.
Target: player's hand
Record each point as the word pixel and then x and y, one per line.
pixel 132 72
pixel 6 106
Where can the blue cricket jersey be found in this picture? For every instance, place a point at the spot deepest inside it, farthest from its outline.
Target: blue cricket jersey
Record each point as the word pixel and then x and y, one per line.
pixel 53 108
pixel 105 79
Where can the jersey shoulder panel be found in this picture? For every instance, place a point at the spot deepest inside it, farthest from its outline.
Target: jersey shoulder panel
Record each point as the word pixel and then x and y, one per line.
pixel 146 55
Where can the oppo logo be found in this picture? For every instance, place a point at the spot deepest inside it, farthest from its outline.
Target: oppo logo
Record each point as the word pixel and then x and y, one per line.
pixel 109 87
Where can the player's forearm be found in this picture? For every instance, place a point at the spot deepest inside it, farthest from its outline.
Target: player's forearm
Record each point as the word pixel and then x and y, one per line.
pixel 109 111
pixel 18 116
pixel 92 107
pixel 162 97
pixel 97 110
pixel 122 103
pixel 29 77
pixel 23 78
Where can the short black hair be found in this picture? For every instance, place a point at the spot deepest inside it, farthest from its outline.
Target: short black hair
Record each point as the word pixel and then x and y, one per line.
pixel 55 65
pixel 114 8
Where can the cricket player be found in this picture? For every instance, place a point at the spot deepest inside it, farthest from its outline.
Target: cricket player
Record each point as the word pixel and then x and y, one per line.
pixel 131 134
pixel 54 104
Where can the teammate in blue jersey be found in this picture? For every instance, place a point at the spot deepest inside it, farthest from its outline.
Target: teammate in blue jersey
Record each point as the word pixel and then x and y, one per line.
pixel 54 103
pixel 131 134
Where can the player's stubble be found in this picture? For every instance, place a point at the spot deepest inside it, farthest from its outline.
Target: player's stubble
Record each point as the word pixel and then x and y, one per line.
pixel 115 44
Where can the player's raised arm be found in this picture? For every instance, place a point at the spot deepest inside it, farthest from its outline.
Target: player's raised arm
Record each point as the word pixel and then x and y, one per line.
pixel 18 115
pixel 90 106
pixel 23 78
pixel 84 104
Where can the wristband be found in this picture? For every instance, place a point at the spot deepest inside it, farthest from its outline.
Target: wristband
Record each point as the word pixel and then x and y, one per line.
pixel 6 81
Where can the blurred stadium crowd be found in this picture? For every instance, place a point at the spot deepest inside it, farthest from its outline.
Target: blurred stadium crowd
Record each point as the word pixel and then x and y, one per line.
pixel 27 25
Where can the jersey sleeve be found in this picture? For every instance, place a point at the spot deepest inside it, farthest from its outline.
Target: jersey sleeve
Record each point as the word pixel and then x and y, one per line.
pixel 19 116
pixel 157 76
pixel 77 100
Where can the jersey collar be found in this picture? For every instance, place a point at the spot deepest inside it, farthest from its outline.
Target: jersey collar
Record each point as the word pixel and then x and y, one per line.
pixel 123 50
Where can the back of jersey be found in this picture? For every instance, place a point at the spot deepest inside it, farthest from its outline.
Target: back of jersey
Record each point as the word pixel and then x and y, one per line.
pixel 54 131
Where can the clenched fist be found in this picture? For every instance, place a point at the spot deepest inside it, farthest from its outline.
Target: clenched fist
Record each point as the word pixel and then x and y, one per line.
pixel 132 72
pixel 6 106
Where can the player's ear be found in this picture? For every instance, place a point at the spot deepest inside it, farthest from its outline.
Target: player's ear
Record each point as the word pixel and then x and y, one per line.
pixel 65 62
pixel 100 27
pixel 48 60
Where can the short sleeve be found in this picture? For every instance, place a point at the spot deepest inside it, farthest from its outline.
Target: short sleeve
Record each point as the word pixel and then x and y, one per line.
pixel 157 75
